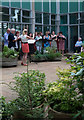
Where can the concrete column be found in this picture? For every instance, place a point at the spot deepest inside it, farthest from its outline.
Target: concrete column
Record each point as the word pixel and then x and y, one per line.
pixel 58 15
pixel 33 16
pixel 50 14
pixel 42 16
pixel 21 13
pixel 78 18
pixel 68 29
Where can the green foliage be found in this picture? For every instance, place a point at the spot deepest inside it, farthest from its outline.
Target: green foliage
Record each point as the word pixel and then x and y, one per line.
pixel 50 54
pixel 9 53
pixel 61 94
pixel 67 93
pixel 29 103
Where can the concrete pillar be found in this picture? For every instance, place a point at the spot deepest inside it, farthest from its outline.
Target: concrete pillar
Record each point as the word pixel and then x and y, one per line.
pixel 78 18
pixel 68 29
pixel 33 17
pixel 58 15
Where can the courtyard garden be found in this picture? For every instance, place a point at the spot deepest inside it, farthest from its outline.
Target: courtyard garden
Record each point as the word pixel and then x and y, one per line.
pixel 60 98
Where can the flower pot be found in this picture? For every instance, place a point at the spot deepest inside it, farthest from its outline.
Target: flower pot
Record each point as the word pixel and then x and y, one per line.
pixel 8 62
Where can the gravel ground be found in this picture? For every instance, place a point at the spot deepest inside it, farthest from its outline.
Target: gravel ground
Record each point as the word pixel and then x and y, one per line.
pixel 49 68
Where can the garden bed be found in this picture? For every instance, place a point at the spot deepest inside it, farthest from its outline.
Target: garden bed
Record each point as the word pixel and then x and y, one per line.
pixel 8 62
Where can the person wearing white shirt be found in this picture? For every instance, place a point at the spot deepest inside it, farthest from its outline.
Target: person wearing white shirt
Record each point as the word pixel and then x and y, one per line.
pixel 78 45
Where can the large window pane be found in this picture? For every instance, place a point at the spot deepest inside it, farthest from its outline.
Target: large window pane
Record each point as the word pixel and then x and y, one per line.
pixel 82 5
pixel 46 18
pixel 73 18
pixel 46 28
pixel 38 6
pixel 16 26
pixel 26 13
pixel 73 36
pixel 5 10
pixel 45 6
pixel 82 31
pixel 53 29
pixel 53 19
pixel 5 14
pixel 53 7
pixel 63 19
pixel 25 5
pixel 15 4
pixel 15 15
pixel 38 28
pixel 82 17
pixel 38 18
pixel 63 7
pixel 73 6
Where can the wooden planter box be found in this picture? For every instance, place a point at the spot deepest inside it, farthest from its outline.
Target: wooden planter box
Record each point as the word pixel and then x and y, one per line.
pixel 59 115
pixel 33 59
pixel 8 62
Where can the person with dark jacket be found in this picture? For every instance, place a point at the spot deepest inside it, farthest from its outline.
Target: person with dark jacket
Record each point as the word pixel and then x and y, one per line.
pixel 11 39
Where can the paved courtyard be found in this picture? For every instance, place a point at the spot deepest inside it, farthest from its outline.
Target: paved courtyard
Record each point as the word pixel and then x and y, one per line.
pixel 49 68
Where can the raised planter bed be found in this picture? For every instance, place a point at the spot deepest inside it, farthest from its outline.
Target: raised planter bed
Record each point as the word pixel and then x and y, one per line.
pixel 43 59
pixel 8 62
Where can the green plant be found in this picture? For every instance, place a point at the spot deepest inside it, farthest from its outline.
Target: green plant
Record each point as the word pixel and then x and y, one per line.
pixel 9 53
pixel 61 94
pixel 78 75
pixel 30 100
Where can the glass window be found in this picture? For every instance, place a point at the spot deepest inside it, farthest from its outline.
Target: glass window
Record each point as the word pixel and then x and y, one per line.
pixel 73 6
pixel 5 14
pixel 45 6
pixel 53 7
pixel 63 7
pixel 74 18
pixel 46 28
pixel 15 17
pixel 25 5
pixel 82 6
pixel 27 26
pixel 38 17
pixel 16 26
pixel 5 10
pixel 46 18
pixel 26 20
pixel 53 19
pixel 26 13
pixel 38 6
pixel 15 4
pixel 82 17
pixel 63 19
pixel 73 36
pixel 82 32
pixel 53 29
pixel 38 28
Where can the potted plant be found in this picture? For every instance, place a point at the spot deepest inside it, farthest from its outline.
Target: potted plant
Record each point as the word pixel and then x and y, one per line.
pixel 66 96
pixel 9 57
pixel 29 103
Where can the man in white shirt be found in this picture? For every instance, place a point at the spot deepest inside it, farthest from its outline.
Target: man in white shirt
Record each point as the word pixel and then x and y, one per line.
pixel 78 45
pixel 6 37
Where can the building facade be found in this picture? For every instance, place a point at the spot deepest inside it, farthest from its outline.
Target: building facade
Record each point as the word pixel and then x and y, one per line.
pixel 65 16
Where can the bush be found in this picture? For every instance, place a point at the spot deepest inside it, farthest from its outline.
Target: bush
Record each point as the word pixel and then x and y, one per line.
pixel 9 53
pixel 29 87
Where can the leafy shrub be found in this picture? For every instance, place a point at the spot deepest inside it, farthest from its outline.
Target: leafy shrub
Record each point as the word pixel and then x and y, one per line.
pixel 9 53
pixel 61 94
pixel 29 87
